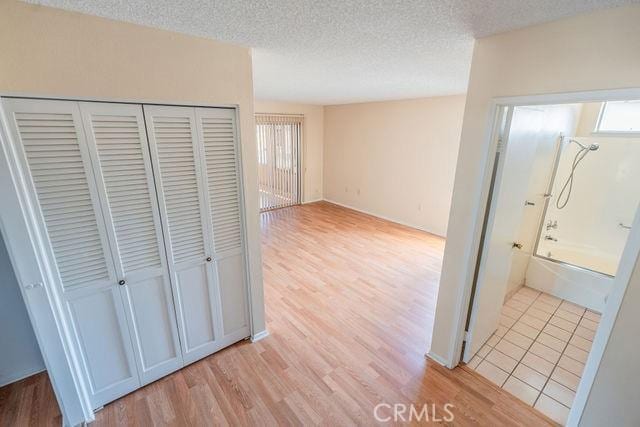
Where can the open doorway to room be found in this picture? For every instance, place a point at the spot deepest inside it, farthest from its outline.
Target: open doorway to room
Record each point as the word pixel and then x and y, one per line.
pixel 279 142
pixel 562 201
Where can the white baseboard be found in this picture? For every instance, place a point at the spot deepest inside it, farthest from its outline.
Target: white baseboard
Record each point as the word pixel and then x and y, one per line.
pixel 384 217
pixel 313 201
pixel 259 336
pixel 438 359
pixel 17 376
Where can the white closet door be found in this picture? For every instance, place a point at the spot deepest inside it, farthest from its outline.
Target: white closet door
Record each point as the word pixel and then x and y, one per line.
pixel 117 142
pixel 57 169
pixel 179 183
pixel 217 131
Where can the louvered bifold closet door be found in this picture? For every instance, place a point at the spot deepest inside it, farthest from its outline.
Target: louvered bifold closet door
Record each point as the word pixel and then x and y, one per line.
pixel 180 184
pixel 217 131
pixel 54 157
pixel 118 145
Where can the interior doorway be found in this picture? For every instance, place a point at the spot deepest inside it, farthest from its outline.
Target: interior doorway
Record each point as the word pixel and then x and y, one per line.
pixel 562 202
pixel 279 141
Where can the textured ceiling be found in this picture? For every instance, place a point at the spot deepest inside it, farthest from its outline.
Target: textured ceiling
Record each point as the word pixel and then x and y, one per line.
pixel 340 51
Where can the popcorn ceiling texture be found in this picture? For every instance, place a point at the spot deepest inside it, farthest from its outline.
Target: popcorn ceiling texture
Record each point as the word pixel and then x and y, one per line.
pixel 343 51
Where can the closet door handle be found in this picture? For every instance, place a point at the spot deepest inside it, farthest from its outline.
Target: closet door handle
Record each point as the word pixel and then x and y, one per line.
pixel 121 282
pixel 208 259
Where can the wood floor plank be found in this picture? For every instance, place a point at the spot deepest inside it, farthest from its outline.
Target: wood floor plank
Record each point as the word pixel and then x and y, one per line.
pixel 350 301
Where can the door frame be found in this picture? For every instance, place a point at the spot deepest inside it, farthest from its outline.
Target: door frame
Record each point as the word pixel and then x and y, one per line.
pixel 631 253
pixel 19 225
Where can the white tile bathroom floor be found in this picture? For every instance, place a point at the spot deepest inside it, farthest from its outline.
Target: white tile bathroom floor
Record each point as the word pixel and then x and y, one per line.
pixel 539 350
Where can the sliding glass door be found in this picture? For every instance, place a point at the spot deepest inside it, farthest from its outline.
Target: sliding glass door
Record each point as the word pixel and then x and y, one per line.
pixel 279 140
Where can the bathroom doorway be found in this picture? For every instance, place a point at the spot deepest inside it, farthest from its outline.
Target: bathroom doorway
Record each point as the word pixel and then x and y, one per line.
pixel 561 206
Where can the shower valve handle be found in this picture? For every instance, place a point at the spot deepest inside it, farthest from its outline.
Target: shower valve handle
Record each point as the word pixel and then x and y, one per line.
pixel 516 245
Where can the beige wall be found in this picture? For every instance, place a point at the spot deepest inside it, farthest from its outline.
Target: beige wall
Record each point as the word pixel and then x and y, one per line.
pixel 394 159
pixel 589 52
pixel 312 141
pixel 50 52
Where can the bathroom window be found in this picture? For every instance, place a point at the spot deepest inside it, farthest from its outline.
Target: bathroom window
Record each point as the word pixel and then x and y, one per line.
pixel 619 117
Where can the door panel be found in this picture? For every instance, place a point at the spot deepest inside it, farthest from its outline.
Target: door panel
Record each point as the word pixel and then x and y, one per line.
pixel 117 142
pixel 194 295
pixel 503 226
pixel 220 154
pixel 233 294
pixel 99 321
pixel 154 327
pixel 54 155
pixel 176 157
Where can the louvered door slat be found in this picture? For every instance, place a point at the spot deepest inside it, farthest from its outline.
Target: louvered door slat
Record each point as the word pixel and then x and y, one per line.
pixel 118 145
pixel 124 175
pixel 223 186
pixel 222 170
pixel 64 206
pixel 178 174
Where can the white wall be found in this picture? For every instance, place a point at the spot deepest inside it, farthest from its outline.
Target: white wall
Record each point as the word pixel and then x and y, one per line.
pixel 312 141
pixel 589 52
pixel 605 194
pixel 560 119
pixel 394 159
pixel 20 354
pixel 51 52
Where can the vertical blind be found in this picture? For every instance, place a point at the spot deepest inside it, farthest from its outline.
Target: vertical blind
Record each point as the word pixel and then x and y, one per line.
pixel 279 140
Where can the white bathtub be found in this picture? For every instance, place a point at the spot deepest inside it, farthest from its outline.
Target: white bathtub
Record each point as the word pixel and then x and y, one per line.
pixel 580 286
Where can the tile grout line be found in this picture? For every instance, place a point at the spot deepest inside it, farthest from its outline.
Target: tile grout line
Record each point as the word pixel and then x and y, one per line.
pixel 557 362
pixel 531 345
pixel 508 329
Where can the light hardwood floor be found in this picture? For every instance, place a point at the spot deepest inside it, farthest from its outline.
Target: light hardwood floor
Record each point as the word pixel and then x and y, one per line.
pixel 350 302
